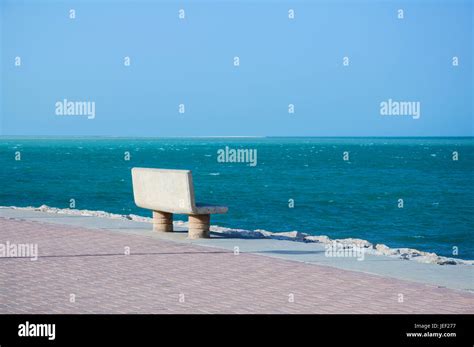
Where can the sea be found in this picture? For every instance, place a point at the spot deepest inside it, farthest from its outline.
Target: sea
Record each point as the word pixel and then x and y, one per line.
pixel 402 192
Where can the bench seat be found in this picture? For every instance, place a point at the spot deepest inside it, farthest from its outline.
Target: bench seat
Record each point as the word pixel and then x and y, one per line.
pixel 202 208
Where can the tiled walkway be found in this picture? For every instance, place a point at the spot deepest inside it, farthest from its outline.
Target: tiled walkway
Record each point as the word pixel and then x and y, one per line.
pixel 83 270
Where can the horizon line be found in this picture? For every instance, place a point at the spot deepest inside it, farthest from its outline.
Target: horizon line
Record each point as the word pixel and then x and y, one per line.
pixel 219 136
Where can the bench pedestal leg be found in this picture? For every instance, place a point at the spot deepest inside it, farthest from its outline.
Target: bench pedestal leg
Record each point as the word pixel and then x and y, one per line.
pixel 162 221
pixel 199 226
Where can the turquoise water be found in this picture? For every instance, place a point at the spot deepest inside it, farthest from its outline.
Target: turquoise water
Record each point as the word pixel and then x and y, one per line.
pixel 355 198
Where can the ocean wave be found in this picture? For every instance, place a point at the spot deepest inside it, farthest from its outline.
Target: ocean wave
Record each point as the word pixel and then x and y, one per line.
pixel 377 249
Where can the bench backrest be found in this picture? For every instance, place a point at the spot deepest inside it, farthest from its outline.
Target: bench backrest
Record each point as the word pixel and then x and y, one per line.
pixel 163 190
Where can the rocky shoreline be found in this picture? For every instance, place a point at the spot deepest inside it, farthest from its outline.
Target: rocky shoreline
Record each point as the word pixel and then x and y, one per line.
pixel 348 243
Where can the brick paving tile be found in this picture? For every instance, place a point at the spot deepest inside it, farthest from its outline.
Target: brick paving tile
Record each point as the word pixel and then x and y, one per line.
pixel 90 264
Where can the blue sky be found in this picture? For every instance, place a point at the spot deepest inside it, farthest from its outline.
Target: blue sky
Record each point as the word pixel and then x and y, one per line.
pixel 282 62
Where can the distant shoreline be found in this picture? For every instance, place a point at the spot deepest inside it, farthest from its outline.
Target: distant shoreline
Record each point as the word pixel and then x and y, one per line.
pixel 79 137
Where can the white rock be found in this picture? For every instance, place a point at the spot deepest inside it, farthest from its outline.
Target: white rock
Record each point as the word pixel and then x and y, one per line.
pixel 292 235
pixel 318 239
pixel 357 242
pixel 383 249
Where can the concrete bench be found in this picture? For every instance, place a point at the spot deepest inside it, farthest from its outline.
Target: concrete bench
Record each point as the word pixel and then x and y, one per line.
pixel 171 191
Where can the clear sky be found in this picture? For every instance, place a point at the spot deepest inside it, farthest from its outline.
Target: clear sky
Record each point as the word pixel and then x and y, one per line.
pixel 282 61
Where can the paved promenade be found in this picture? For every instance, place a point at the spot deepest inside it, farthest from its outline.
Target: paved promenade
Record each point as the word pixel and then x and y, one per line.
pixel 84 270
